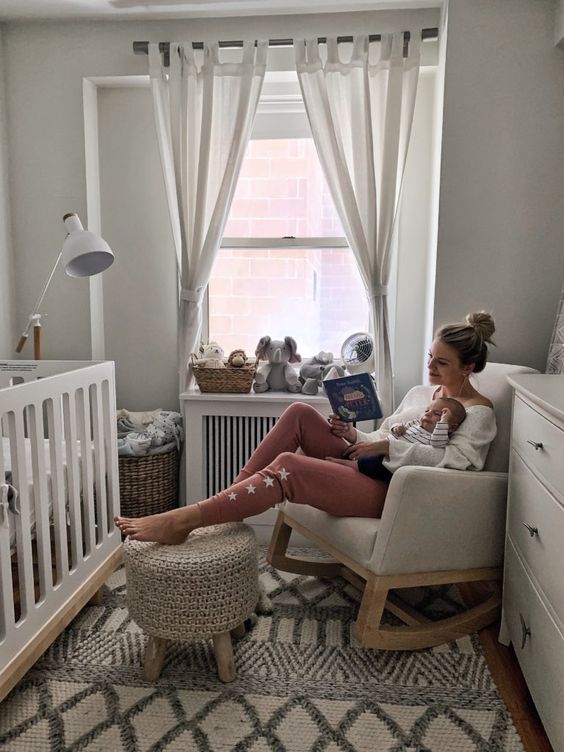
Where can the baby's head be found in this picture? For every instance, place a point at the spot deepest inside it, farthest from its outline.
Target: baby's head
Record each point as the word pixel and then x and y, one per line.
pixel 433 412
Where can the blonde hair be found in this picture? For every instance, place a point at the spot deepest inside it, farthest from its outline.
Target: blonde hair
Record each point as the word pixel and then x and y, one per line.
pixel 470 339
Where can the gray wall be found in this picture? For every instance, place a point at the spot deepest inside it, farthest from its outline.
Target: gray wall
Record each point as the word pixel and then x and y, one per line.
pixel 501 211
pixel 140 309
pixel 501 206
pixel 45 66
pixel 415 254
pixel 7 323
pixel 559 31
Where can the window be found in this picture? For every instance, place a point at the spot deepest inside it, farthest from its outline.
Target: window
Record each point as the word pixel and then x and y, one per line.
pixel 284 267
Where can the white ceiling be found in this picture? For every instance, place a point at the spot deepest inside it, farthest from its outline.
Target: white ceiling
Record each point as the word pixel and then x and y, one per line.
pixel 13 10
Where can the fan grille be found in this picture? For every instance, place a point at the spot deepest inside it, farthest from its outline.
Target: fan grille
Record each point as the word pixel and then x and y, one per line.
pixel 357 349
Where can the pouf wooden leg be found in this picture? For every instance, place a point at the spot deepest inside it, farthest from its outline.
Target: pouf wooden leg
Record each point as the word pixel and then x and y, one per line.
pixel 154 657
pixel 223 650
pixel 239 631
pixel 98 597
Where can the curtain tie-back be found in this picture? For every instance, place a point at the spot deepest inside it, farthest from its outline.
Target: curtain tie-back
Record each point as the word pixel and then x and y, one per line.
pixel 193 296
pixel 379 291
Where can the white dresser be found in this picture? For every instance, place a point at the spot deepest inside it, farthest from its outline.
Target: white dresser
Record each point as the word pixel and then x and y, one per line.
pixel 533 586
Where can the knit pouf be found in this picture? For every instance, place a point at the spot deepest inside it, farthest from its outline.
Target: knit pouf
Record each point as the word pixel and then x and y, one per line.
pixel 205 587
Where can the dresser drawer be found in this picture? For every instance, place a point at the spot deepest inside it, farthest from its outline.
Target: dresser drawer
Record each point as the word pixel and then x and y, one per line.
pixel 538 644
pixel 531 504
pixel 548 458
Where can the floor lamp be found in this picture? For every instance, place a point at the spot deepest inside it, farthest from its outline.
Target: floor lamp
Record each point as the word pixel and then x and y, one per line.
pixel 83 254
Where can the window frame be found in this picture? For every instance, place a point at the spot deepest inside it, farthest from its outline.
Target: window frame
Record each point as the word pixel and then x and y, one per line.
pixel 290 241
pixel 281 114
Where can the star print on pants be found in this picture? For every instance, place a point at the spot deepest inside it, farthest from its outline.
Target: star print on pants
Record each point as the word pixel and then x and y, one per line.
pixel 268 482
pixel 283 473
pixel 250 488
pixel 232 496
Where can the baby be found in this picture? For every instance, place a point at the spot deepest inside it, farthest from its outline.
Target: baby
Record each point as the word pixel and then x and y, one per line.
pixel 439 420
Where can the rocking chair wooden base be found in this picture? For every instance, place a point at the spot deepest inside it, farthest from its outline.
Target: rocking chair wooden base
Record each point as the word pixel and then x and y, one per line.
pixel 417 631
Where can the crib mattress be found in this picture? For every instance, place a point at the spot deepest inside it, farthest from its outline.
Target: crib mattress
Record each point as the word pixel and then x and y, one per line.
pixel 29 467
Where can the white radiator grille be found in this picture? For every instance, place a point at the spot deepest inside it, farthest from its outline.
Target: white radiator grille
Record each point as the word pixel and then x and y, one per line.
pixel 229 441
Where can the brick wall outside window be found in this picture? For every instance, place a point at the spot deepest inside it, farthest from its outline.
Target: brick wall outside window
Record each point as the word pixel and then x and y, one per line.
pixel 315 296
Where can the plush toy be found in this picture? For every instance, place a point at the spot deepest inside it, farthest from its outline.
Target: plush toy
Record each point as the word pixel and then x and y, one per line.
pixel 212 356
pixel 277 374
pixel 237 358
pixel 314 370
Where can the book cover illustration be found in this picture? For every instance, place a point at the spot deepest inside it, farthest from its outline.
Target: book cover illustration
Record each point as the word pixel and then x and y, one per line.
pixel 353 397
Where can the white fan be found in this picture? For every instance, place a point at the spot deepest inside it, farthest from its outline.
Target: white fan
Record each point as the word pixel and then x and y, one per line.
pixel 357 352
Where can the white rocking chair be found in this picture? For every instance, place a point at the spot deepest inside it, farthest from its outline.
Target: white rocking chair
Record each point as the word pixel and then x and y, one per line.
pixel 439 526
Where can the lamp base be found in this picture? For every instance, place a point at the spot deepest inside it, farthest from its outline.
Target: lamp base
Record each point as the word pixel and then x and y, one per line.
pixel 37 341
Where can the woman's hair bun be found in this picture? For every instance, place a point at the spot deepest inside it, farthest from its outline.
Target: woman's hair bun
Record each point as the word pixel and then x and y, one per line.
pixel 483 324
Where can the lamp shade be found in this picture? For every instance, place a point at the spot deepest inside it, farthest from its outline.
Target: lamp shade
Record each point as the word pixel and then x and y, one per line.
pixel 84 253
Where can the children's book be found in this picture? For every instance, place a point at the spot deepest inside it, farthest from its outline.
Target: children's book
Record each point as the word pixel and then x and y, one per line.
pixel 353 397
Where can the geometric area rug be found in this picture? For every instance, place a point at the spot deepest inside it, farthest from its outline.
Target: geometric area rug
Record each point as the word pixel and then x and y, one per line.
pixel 303 684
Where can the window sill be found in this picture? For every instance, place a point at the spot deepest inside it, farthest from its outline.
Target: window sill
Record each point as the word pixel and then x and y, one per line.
pixel 263 397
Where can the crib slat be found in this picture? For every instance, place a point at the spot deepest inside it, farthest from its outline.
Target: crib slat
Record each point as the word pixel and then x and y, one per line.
pixel 84 433
pixel 73 478
pixel 55 431
pixel 23 519
pixel 99 462
pixel 7 617
pixel 40 497
pixel 110 434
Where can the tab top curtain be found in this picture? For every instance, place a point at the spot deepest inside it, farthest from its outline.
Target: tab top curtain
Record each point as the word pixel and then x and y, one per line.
pixel 360 115
pixel 204 112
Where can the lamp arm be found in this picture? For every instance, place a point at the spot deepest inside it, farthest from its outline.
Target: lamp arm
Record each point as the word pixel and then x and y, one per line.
pixel 35 316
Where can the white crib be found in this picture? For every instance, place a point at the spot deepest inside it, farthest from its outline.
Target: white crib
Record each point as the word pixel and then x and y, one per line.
pixel 58 495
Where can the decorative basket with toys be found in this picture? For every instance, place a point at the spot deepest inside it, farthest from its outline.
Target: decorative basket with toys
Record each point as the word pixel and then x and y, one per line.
pixel 215 373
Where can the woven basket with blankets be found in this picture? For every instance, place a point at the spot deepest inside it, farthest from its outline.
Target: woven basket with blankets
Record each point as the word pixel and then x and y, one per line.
pixel 148 455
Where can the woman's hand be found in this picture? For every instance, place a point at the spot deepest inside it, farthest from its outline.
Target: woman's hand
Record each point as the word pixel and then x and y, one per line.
pixel 342 429
pixel 339 461
pixel 368 449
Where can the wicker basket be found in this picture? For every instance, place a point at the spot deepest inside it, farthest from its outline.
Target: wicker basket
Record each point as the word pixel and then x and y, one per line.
pixel 228 379
pixel 148 484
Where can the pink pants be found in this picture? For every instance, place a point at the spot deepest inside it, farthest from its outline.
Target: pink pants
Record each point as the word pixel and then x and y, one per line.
pixel 275 472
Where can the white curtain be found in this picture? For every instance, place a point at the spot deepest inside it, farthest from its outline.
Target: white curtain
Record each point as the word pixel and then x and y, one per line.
pixel 204 112
pixel 360 114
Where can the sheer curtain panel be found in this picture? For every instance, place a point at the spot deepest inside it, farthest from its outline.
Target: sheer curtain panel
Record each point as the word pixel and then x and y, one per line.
pixel 204 110
pixel 360 113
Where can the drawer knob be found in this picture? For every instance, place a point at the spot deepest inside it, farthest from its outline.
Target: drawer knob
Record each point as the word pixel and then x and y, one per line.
pixel 537 444
pixel 532 530
pixel 525 631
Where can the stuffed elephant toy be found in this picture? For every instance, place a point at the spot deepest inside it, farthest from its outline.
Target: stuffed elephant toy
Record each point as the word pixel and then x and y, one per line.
pixel 314 370
pixel 277 374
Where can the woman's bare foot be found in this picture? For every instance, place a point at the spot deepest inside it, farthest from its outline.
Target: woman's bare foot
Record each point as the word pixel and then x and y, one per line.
pixel 169 527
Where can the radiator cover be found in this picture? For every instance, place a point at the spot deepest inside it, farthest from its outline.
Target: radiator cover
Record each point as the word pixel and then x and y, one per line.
pixel 228 442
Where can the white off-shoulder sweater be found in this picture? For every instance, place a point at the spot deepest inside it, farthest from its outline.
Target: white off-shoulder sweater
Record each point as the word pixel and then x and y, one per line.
pixel 467 448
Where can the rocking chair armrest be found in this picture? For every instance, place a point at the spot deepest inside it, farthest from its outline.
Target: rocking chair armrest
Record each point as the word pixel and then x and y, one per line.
pixel 438 519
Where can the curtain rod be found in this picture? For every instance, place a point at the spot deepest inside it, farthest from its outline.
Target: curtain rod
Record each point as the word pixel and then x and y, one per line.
pixel 142 48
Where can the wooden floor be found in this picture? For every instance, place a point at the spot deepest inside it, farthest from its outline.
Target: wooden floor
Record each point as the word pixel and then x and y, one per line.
pixel 509 680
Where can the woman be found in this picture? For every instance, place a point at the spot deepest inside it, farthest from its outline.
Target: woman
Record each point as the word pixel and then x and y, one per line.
pixel 320 476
